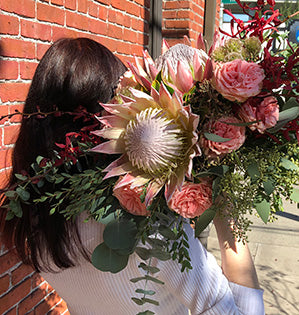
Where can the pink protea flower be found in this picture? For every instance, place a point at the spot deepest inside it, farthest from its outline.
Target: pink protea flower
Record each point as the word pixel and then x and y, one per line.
pixel 192 200
pixel 157 140
pixel 238 80
pixel 225 128
pixel 129 198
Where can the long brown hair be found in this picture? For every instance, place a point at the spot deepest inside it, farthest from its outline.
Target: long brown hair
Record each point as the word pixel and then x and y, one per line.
pixel 72 73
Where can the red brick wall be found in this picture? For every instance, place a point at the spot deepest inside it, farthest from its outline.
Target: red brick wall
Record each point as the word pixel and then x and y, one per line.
pixel 27 28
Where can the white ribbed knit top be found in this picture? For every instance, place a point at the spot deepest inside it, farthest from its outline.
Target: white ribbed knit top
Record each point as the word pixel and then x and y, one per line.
pixel 202 290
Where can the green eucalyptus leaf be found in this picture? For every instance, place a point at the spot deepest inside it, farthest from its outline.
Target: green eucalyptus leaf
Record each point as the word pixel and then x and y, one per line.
pixel 40 183
pixel 289 114
pixel 108 218
pixel 134 280
pixel 147 312
pixel 290 103
pixel 151 301
pixel 289 165
pixel 253 171
pixel 216 189
pixel 160 254
pixel 204 220
pixel 149 278
pixel 11 194
pixel 215 138
pixel 167 232
pixel 263 209
pixel 10 215
pixel 269 187
pixel 149 268
pixel 145 292
pixel 143 253
pixel 219 170
pixel 39 159
pixel 295 195
pixel 138 301
pixel 106 259
pixel 120 234
pixel 21 177
pixel 15 207
pixel 23 194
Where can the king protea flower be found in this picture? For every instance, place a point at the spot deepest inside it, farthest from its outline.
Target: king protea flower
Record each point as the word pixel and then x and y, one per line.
pixel 156 138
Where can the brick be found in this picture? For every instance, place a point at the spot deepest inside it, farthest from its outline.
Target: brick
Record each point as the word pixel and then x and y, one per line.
pixel 115 17
pixel 77 21
pixel 119 4
pixel 57 2
pixel 97 26
pixel 31 301
pixel 5 160
pixel 15 295
pixel 21 7
pixel 50 14
pixel 177 24
pixel 181 14
pixel 41 49
pixel 17 48
pixel 115 31
pixel 103 13
pixel 20 273
pixel 35 30
pixel 36 280
pixel 13 109
pixel 93 9
pixel 127 22
pixel 60 32
pixel 4 280
pixel 82 6
pixel 61 308
pixel 70 4
pixel 13 311
pixel 10 92
pixel 3 112
pixel 130 35
pixel 133 8
pixel 11 133
pixel 176 4
pixel 27 69
pixel 9 69
pixel 4 176
pixel 9 25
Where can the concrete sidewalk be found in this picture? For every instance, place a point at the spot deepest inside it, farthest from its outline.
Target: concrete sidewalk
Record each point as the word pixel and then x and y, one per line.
pixel 275 249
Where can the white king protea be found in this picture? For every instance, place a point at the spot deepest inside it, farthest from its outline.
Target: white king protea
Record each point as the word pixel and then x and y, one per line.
pixel 156 138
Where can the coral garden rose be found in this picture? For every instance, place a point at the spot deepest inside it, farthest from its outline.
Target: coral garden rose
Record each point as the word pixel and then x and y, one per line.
pixel 266 114
pixel 192 200
pixel 129 198
pixel 238 80
pixel 222 128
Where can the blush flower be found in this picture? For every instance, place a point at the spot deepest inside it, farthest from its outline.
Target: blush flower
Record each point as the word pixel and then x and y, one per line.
pixel 156 138
pixel 192 200
pixel 223 127
pixel 129 198
pixel 238 80
pixel 266 114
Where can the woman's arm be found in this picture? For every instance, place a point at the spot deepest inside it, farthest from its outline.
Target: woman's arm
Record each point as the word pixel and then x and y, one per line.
pixel 236 260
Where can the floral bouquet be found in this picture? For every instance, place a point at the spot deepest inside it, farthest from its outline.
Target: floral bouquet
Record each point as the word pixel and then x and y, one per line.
pixel 193 132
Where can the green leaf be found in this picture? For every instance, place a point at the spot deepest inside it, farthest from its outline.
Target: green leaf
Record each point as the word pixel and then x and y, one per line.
pixel 134 280
pixel 21 177
pixel 149 268
pixel 216 189
pixel 143 253
pixel 10 215
pixel 149 278
pixel 289 165
pixel 145 292
pixel 219 170
pixel 167 232
pixel 204 220
pixel 295 195
pixel 11 194
pixel 52 211
pixel 215 138
pixel 151 301
pixel 107 219
pixel 138 301
pixel 39 159
pixel 269 187
pixel 290 103
pixel 156 85
pixel 263 209
pixel 289 114
pixel 253 171
pixel 120 234
pixel 160 254
pixel 23 194
pixel 106 259
pixel 15 207
pixel 146 313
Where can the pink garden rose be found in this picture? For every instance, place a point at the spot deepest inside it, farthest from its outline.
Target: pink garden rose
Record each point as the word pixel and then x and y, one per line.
pixel 266 114
pixel 220 127
pixel 238 80
pixel 129 198
pixel 192 200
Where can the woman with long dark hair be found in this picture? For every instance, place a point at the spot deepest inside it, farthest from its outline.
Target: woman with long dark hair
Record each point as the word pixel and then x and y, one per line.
pixel 79 73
